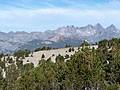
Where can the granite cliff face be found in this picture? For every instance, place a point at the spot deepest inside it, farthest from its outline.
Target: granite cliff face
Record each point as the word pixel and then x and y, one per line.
pixel 56 38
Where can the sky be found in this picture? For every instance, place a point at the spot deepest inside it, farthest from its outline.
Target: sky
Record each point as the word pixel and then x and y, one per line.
pixel 41 15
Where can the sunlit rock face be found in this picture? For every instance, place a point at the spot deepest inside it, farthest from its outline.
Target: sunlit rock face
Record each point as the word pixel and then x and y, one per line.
pixel 67 34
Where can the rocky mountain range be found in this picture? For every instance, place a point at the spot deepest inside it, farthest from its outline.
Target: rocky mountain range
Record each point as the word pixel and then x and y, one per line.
pixel 72 35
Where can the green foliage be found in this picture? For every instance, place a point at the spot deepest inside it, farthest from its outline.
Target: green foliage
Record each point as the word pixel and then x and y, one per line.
pixel 70 50
pixel 59 58
pixel 22 53
pixel 67 56
pixel 43 56
pixel 12 74
pixel 2 64
pixel 27 67
pixel 73 49
pixel 1 55
pixel 85 43
pixel 87 69
pixel 19 64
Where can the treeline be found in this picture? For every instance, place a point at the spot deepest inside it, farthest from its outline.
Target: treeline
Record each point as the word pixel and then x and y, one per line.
pixel 87 69
pixel 42 48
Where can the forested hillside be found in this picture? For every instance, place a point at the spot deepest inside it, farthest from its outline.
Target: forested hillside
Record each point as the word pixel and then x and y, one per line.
pixel 87 69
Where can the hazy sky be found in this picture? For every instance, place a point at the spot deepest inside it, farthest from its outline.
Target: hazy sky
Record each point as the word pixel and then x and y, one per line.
pixel 41 15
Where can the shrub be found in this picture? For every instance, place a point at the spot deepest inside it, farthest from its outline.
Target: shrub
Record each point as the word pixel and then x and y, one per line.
pixel 43 56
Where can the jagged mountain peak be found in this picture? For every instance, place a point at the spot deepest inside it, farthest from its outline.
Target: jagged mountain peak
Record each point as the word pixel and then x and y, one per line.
pixel 99 27
pixel 66 29
pixel 111 27
pixel 89 26
pixel 92 33
pixel 98 24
